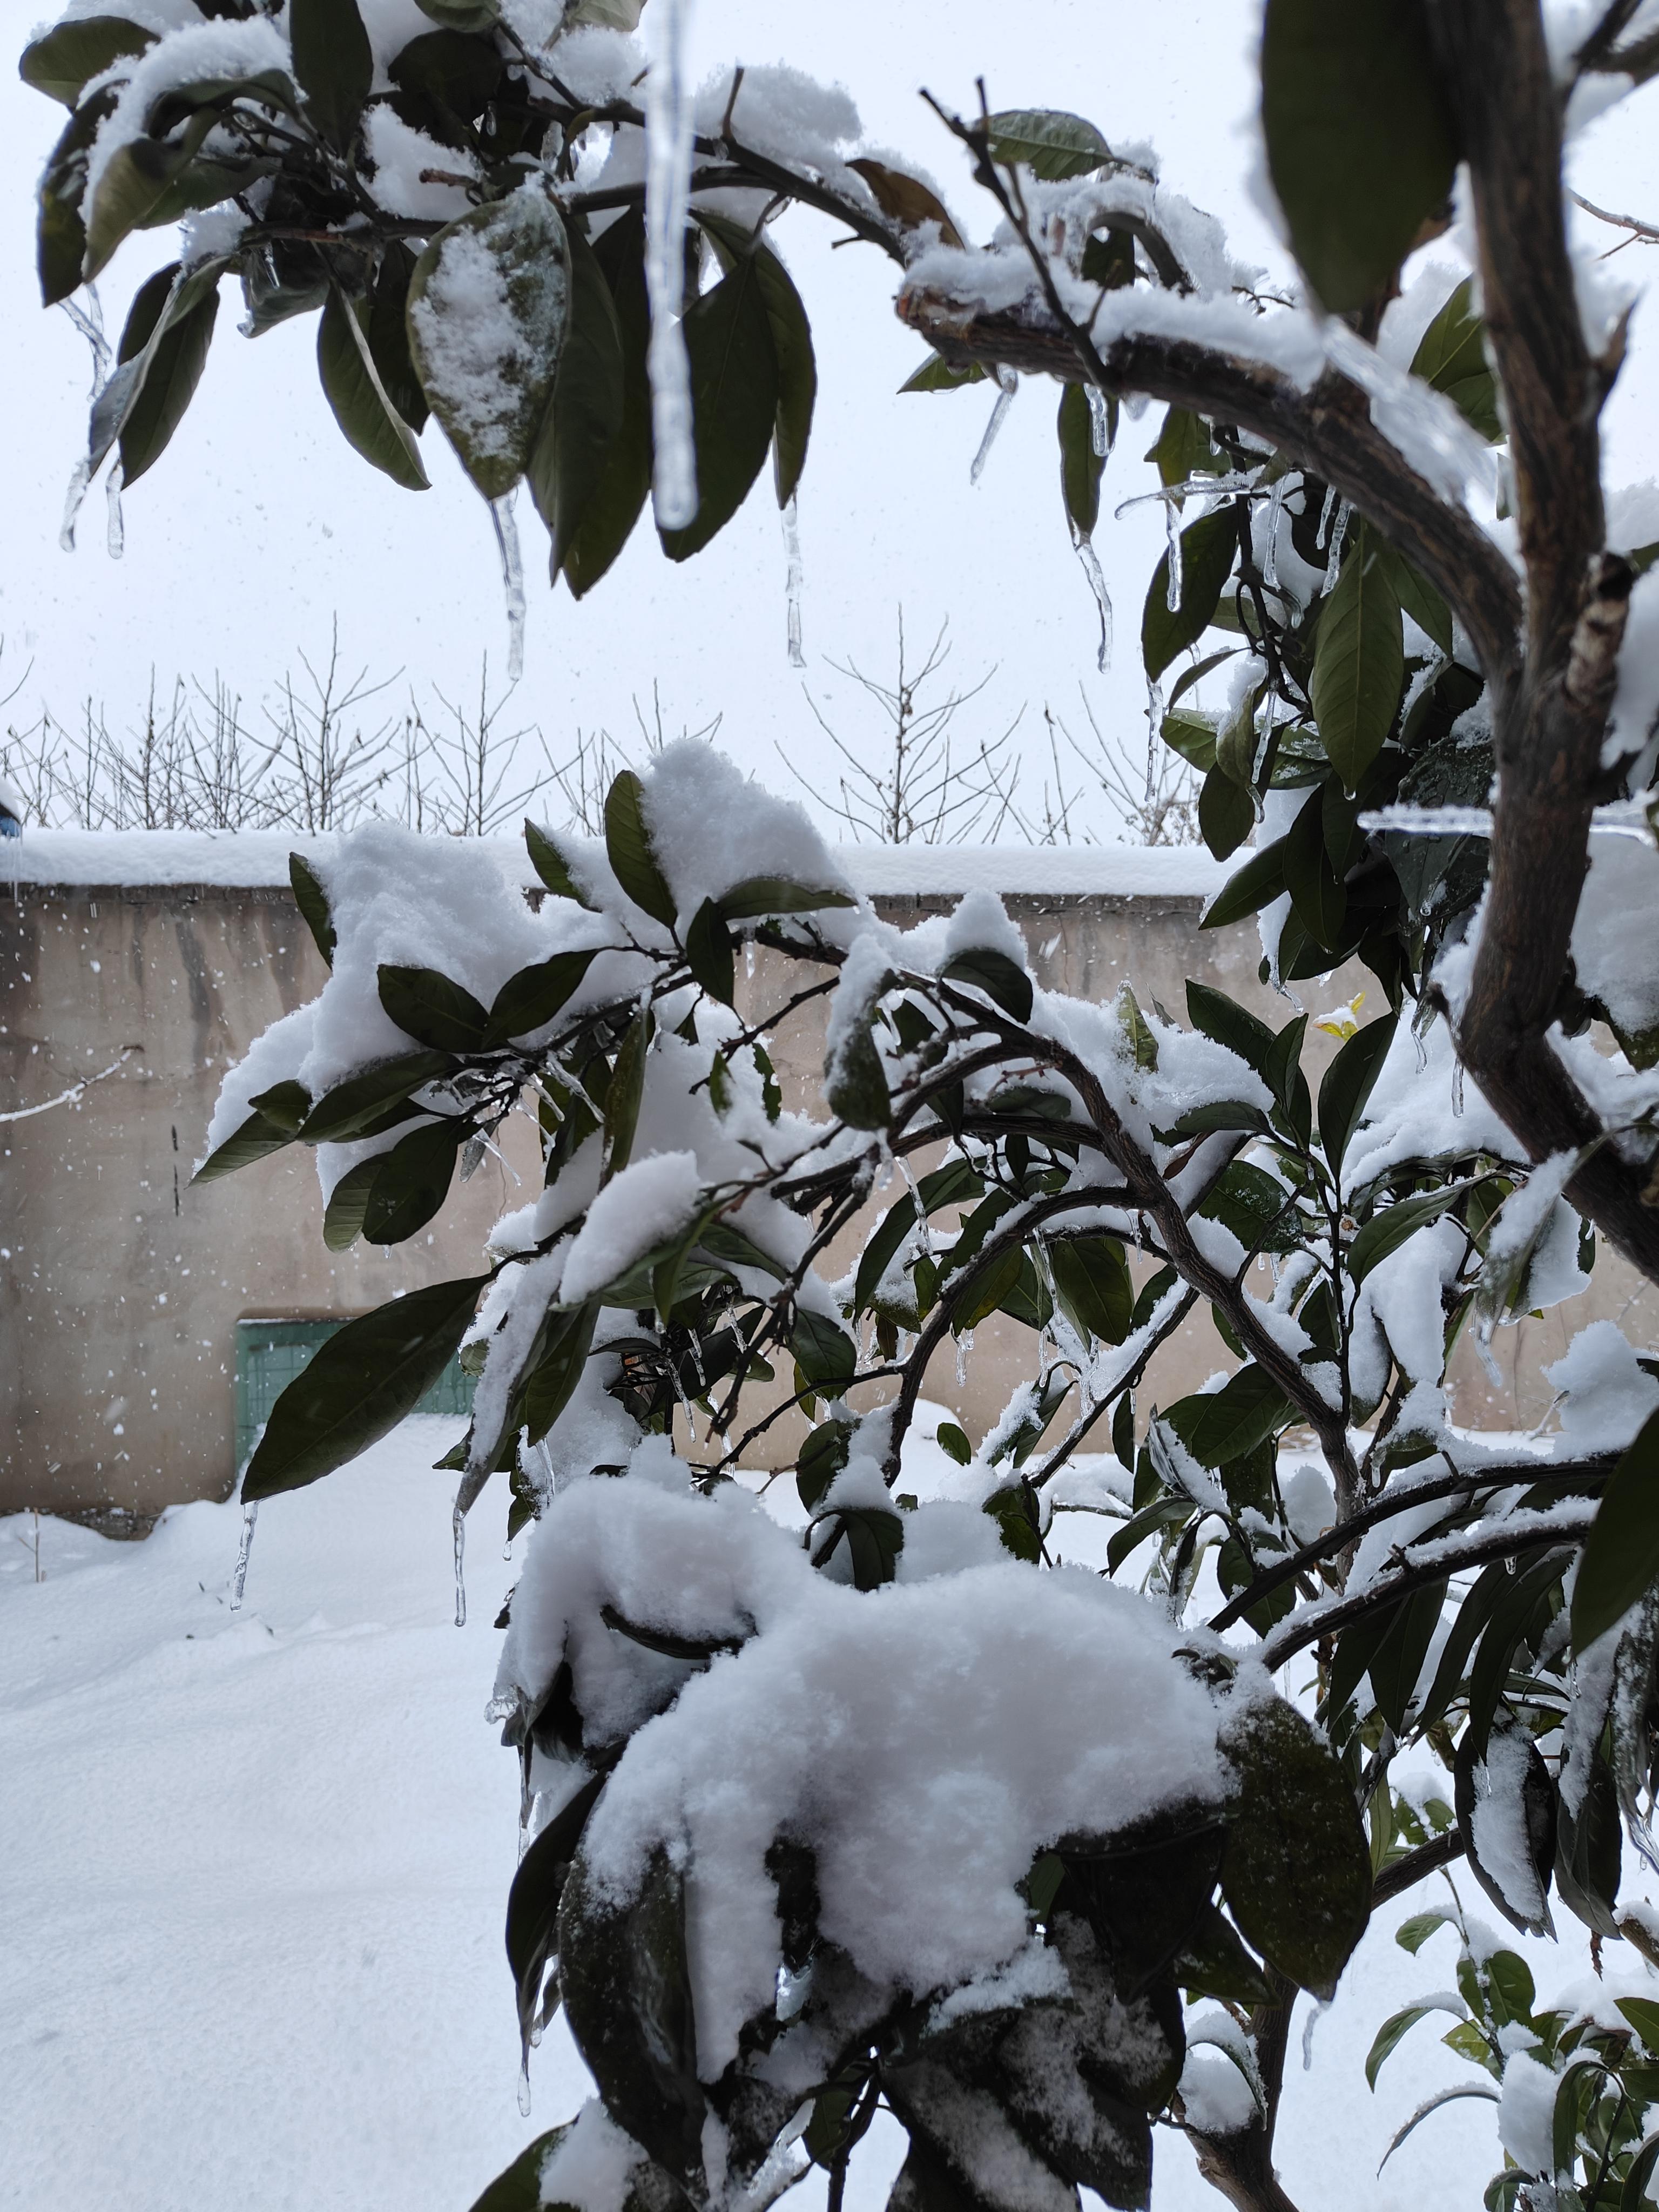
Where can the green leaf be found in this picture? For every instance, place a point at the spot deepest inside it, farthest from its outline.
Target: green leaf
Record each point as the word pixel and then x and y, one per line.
pixel 632 854
pixel 1297 1872
pixel 352 1107
pixel 532 1912
pixel 1388 1229
pixel 1621 1561
pixel 613 509
pixel 1359 663
pixel 1451 355
pixel 551 865
pixel 797 375
pixel 255 1138
pixel 1221 1425
pixel 1320 902
pixel 1417 596
pixel 351 384
pixel 1213 1962
pixel 60 237
pixel 1361 144
pixel 878 1255
pixel 462 14
pixel 549 1386
pixel 768 894
pixel 1249 889
pixel 343 1217
pixel 573 447
pixel 1484 2090
pixel 1348 1082
pixel 1001 979
pixel 332 65
pixel 734 401
pixel 1193 736
pixel 529 999
pixel 622 1100
pixel 1229 1023
pixel 823 1352
pixel 987 1291
pixel 1052 144
pixel 413 1182
pixel 1225 816
pixel 822 1459
pixel 436 1012
pixel 1393 2031
pixel 1185 448
pixel 938 375
pixel 368 1376
pixel 312 902
pixel 1208 548
pixel 503 268
pixel 628 1996
pixel 167 381
pixel 905 200
pixel 60 62
pixel 1091 1282
pixel 1080 466
pixel 1019 1520
pixel 518 2189
pixel 708 953
pixel 952 1441
pixel 1413 1933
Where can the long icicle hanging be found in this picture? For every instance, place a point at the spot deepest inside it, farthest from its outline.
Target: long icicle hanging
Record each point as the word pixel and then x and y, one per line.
pixel 668 176
pixel 793 580
pixel 1007 384
pixel 507 538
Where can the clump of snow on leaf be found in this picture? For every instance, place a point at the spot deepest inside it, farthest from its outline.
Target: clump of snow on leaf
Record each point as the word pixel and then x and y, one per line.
pixel 640 1208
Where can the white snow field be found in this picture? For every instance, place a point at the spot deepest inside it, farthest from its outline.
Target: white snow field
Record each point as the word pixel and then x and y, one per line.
pixel 255 1866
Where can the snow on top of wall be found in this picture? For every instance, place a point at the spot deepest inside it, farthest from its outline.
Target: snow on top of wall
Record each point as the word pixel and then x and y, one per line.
pixel 257 859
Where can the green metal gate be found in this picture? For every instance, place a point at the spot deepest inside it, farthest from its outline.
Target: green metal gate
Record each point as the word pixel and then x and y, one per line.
pixel 271 1353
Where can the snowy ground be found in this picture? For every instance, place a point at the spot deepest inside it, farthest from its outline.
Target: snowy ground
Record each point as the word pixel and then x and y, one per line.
pixel 255 1866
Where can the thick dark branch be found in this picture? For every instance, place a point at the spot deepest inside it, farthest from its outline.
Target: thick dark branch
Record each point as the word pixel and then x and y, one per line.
pixel 1502 1542
pixel 1326 429
pixel 1241 2166
pixel 1413 1866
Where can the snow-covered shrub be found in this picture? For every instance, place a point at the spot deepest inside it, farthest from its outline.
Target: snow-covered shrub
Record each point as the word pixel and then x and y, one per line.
pixel 1438 640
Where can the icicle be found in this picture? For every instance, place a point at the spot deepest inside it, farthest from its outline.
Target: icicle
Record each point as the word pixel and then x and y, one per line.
pixel 1154 732
pixel 792 581
pixel 239 1579
pixel 1318 2012
pixel 1457 1089
pixel 524 2087
pixel 1008 384
pixel 1172 531
pixel 964 1346
pixel 458 1528
pixel 72 499
pixel 668 175
pixel 1326 513
pixel 506 537
pixel 1270 552
pixel 1334 560
pixel 1100 422
pixel 1091 560
pixel 116 538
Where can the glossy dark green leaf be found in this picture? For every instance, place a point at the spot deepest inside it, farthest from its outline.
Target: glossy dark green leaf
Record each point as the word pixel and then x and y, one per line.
pixel 708 953
pixel 1000 977
pixel 472 15
pixel 627 1088
pixel 822 1459
pixel 628 1996
pixel 131 185
pixel 1296 1872
pixel 343 1217
pixel 519 2188
pixel 1359 663
pixel 1091 1282
pixel 60 62
pixel 986 1291
pixel 797 375
pixel 1620 1562
pixel 1589 1852
pixel 1225 816
pixel 1389 1228
pixel 448 79
pixel 333 66
pixel 350 1108
pixel 254 1139
pixel 60 237
pixel 573 447
pixel 614 506
pixel 1208 549
pixel 368 1376
pixel 768 894
pixel 1192 736
pixel 1184 448
pixel 1015 1509
pixel 551 1383
pixel 1348 1082
pixel 170 375
pixel 1080 466
pixel 1522 1794
pixel 530 999
pixel 734 401
pixel 435 1011
pixel 1451 355
pixel 1221 1425
pixel 1229 1023
pixel 938 375
pixel 952 1441
pixel 491 396
pixel 631 852
pixel 823 1351
pixel 533 1905
pixel 312 902
pixel 351 384
pixel 1320 902
pixel 550 864
pixel 1051 144
pixel 1396 2027
pixel 1360 140
pixel 1249 889
pixel 1214 1961
pixel 413 1182
pixel 879 1253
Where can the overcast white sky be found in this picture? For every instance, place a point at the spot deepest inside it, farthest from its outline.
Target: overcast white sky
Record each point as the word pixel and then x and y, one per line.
pixel 260 527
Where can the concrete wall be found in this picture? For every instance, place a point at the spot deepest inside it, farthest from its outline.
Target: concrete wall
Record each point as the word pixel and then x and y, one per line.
pixel 120 1285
